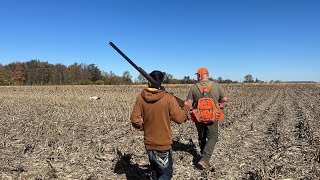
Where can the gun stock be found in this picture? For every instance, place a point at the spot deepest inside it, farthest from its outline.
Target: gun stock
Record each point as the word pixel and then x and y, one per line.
pixel 144 74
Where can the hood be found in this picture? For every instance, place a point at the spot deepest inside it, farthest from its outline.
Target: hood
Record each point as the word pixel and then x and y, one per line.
pixel 152 94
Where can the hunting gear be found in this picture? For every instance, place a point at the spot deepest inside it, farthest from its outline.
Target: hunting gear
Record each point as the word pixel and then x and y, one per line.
pixel 206 98
pixel 152 112
pixel 207 110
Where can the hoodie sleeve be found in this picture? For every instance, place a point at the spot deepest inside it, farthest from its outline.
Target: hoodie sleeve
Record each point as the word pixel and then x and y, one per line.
pixel 177 113
pixel 136 115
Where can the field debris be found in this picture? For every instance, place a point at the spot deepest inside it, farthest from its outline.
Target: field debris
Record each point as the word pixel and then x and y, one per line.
pixel 94 97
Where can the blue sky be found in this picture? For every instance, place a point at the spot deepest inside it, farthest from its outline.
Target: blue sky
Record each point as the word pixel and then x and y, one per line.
pixel 269 39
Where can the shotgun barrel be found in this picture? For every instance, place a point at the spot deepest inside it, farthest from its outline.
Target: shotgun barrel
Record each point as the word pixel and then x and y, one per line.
pixel 144 74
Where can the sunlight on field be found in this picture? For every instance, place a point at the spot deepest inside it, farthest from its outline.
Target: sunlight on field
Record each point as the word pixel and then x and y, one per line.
pixel 270 131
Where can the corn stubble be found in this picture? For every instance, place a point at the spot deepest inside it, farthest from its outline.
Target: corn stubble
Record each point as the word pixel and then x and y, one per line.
pixel 58 132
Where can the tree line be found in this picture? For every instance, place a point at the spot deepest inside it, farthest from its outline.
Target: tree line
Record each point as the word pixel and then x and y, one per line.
pixel 36 72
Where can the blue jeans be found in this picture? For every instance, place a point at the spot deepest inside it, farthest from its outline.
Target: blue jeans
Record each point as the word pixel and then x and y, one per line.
pixel 161 163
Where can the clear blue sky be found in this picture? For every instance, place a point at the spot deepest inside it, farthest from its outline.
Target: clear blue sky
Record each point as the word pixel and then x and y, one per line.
pixel 269 39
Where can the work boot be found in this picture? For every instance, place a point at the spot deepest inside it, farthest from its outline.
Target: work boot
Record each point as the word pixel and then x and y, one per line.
pixel 204 164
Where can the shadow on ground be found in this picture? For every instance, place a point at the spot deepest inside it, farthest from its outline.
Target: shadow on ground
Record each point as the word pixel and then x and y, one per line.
pixel 131 170
pixel 190 148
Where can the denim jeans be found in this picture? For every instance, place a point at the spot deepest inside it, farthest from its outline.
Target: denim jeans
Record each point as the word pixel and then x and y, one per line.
pixel 161 163
pixel 208 137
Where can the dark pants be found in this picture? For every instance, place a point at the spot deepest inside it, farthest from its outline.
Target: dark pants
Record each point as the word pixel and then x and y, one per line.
pixel 208 137
pixel 161 163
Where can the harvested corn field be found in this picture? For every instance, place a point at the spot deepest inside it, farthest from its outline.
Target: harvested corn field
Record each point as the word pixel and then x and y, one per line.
pixel 59 132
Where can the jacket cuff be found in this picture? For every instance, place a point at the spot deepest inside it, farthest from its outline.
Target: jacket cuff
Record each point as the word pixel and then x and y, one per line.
pixel 186 108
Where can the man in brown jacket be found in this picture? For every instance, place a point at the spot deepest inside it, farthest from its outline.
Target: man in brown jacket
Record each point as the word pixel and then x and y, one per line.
pixel 152 112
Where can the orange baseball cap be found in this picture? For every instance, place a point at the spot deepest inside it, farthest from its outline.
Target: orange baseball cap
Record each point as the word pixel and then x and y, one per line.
pixel 202 71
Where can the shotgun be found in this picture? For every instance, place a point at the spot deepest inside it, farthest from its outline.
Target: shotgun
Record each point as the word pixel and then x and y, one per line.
pixel 142 72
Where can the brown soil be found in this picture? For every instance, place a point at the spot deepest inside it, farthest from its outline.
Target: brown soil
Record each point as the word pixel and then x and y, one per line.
pixel 58 132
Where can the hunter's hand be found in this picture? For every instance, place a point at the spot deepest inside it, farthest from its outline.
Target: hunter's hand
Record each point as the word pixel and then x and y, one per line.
pixel 188 103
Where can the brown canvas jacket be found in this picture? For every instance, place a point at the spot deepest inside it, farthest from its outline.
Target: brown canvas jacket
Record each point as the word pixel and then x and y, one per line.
pixel 152 113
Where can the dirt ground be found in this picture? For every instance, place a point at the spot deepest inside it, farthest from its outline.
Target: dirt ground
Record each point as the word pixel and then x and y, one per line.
pixel 270 131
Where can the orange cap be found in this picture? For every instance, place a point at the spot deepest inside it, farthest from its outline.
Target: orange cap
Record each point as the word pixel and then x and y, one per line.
pixel 202 71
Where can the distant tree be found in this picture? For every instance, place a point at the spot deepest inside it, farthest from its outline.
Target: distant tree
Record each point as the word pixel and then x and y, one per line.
pixel 175 81
pixel 186 80
pixel 167 78
pixel 94 72
pixel 112 79
pixel 43 73
pixel 111 74
pixel 116 80
pixel 19 76
pixel 59 74
pixel 227 81
pixel 106 77
pixel 74 73
pixel 127 77
pixel 36 72
pixel 9 69
pixel 258 81
pixel 3 80
pixel 248 79
pixel 85 75
pixel 219 80
pixel 99 82
pixel 31 71
pixel 141 79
